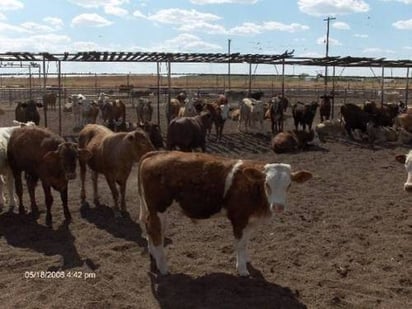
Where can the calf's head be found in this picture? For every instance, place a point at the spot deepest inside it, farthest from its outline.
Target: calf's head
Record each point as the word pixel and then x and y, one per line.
pixel 138 143
pixel 65 158
pixel 278 177
pixel 407 160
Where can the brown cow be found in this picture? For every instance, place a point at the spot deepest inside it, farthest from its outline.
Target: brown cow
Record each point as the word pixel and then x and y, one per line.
pixel 49 101
pixel 43 155
pixel 188 133
pixel 205 185
pixel 113 155
pixel 113 112
pixel 173 107
pixel 220 109
pixel 144 110
pixel 291 141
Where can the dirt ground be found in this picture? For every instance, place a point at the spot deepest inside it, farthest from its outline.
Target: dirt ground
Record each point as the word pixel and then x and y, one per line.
pixel 345 241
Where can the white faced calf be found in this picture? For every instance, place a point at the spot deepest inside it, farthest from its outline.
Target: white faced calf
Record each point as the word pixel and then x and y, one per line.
pixel 407 160
pixel 205 185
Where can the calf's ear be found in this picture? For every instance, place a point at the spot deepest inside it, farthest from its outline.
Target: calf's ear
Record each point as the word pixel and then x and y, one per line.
pixel 84 154
pixel 253 174
pixel 401 158
pixel 300 176
pixel 50 157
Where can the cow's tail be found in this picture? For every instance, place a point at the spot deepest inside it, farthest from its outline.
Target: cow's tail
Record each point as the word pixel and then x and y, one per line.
pixel 140 188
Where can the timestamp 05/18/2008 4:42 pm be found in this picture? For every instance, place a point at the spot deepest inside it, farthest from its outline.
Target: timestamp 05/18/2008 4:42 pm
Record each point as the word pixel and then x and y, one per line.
pixel 59 275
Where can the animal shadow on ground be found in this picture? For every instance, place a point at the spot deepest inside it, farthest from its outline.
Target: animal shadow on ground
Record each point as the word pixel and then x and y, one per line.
pixel 24 232
pixel 124 227
pixel 219 290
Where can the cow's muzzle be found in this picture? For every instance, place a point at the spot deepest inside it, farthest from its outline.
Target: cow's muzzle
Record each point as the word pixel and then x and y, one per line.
pixel 278 208
pixel 408 187
pixel 70 176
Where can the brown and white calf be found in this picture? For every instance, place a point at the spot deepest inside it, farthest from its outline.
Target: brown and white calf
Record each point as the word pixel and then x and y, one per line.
pixel 113 155
pixel 407 160
pixel 205 185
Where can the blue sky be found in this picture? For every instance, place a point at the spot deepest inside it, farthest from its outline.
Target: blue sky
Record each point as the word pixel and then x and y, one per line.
pixel 379 28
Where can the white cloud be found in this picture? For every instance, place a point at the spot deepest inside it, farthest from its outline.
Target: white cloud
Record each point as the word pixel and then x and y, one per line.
pixel 56 22
pixel 35 27
pixel 116 11
pixel 2 16
pixel 6 5
pixel 98 3
pixel 35 43
pixel 403 1
pixel 341 25
pixel 93 20
pixel 180 17
pixel 187 43
pixel 403 24
pixel 322 40
pixel 85 46
pixel 360 35
pixel 377 51
pixel 204 27
pixel 252 28
pixel 6 28
pixel 202 2
pixel 332 7
pixel 139 14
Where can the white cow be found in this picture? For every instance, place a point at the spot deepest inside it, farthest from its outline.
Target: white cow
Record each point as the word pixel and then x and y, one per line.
pixel 81 106
pixel 251 111
pixel 407 160
pixel 6 174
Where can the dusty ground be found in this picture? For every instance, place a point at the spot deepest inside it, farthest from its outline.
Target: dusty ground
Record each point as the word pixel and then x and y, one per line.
pixel 345 242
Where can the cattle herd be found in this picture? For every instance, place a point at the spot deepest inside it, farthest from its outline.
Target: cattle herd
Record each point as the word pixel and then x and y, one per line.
pixel 205 185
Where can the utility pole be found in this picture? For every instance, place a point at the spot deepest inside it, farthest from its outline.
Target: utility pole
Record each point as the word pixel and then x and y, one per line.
pixel 327 49
pixel 228 62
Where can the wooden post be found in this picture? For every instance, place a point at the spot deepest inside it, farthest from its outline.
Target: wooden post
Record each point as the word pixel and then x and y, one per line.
pixel 250 78
pixel 283 77
pixel 333 94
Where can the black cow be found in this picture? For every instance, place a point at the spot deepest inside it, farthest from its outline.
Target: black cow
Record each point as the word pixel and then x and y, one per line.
pixel 325 107
pixel 304 114
pixel 383 115
pixel 27 111
pixel 354 117
pixel 188 133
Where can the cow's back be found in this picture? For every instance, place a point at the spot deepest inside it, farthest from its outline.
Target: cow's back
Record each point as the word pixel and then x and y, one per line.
pixel 28 145
pixel 199 197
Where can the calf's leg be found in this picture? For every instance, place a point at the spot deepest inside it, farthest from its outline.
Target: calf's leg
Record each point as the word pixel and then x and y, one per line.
pixel 63 197
pixel 31 186
pixel 242 255
pixel 49 202
pixel 19 190
pixel 155 228
pixel 115 193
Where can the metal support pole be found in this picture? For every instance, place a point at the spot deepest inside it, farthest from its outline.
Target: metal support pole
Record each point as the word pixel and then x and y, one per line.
pixel 333 94
pixel 407 87
pixel 283 77
pixel 30 90
pixel 158 93
pixel 60 95
pixel 382 84
pixel 250 78
pixel 327 51
pixel 44 92
pixel 228 62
